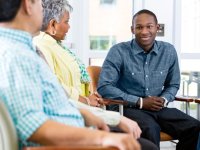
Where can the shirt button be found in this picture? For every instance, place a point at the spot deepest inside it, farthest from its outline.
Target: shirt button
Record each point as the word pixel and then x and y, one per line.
pixel 147 89
pixel 133 73
pixel 146 76
pixel 146 63
pixel 161 72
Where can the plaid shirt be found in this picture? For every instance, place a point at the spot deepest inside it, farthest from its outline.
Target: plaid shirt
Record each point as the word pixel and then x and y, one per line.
pixel 29 89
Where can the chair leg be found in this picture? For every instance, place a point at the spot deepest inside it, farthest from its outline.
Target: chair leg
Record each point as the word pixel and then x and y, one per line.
pixel 121 109
pixel 187 105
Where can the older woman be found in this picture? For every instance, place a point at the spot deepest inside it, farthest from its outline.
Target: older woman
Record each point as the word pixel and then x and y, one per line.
pixel 69 69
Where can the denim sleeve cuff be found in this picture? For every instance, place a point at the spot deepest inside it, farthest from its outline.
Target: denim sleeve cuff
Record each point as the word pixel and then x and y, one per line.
pixel 28 124
pixel 132 100
pixel 166 102
pixel 168 97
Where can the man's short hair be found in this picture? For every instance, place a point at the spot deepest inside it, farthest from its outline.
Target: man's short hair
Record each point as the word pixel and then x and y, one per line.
pixel 145 11
pixel 8 9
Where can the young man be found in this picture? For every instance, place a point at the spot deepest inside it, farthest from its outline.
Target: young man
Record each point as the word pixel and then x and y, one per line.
pixel 146 74
pixel 36 101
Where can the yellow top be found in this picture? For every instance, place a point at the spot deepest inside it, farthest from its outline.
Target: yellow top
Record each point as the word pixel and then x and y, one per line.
pixel 62 64
pixel 67 71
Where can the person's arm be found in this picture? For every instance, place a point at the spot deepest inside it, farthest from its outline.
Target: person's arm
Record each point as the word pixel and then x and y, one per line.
pixel 54 133
pixel 109 76
pixel 23 95
pixel 123 123
pixel 129 126
pixel 111 118
pixel 172 81
pixel 93 121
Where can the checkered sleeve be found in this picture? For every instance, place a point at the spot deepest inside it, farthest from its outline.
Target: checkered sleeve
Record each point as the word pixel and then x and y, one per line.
pixel 24 96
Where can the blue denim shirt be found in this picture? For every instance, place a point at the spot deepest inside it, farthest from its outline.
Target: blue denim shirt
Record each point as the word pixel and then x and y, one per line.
pixel 129 73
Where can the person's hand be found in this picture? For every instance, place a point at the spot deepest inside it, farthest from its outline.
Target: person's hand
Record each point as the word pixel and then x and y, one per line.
pixel 95 99
pixel 121 140
pixel 129 126
pixel 92 120
pixel 153 103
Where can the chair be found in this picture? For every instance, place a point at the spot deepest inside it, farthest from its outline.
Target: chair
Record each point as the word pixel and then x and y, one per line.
pixel 94 72
pixel 197 101
pixel 70 148
pixel 9 141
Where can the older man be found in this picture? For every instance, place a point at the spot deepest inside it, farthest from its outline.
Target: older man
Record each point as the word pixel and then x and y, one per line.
pixel 37 103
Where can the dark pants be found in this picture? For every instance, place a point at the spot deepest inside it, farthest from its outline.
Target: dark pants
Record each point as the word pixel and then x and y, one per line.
pixel 147 145
pixel 170 120
pixel 144 143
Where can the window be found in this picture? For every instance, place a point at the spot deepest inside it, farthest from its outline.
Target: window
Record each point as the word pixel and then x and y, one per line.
pixel 107 26
pixel 190 26
pixel 101 42
pixel 108 2
pixel 190 48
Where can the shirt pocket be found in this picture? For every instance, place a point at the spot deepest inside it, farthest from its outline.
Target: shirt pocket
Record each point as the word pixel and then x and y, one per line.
pixel 134 79
pixel 158 78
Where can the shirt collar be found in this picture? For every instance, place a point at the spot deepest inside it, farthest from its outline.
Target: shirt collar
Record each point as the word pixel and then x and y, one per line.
pixel 47 37
pixel 137 49
pixel 18 36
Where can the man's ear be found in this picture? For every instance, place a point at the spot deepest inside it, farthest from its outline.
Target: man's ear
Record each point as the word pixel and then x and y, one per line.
pixel 132 30
pixel 27 6
pixel 158 27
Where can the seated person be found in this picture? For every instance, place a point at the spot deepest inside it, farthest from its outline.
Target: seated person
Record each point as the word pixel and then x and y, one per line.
pixel 69 69
pixel 38 105
pixel 146 74
pixel 62 62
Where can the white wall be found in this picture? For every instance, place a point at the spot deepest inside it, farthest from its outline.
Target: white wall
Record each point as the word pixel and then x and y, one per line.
pixel 78 34
pixel 164 10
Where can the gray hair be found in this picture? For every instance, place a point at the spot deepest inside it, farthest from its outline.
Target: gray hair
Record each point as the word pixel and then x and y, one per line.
pixel 54 9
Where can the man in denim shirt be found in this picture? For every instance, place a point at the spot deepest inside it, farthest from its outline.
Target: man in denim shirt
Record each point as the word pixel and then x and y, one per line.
pixel 145 73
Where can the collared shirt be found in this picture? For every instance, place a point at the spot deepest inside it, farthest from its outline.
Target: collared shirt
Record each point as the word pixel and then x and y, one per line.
pixel 129 73
pixel 85 78
pixel 31 92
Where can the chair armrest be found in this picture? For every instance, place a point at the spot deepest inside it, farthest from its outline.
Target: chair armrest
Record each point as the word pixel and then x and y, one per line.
pixel 184 99
pixel 197 101
pixel 107 101
pixel 111 101
pixel 121 102
pixel 71 148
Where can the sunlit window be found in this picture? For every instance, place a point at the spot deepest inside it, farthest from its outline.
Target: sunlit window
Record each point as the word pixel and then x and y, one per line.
pixel 109 25
pixel 190 26
pixel 101 42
